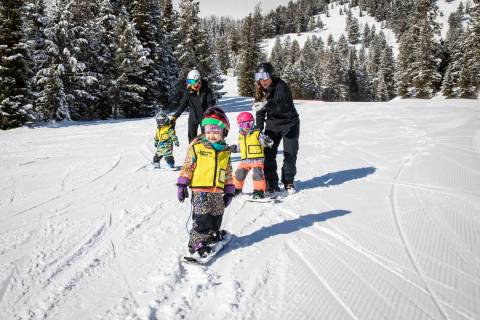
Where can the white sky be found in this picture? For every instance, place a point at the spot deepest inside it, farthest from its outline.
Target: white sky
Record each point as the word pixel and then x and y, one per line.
pixel 234 8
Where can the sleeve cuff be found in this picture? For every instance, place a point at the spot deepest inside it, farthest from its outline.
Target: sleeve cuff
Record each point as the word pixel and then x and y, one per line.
pixel 183 181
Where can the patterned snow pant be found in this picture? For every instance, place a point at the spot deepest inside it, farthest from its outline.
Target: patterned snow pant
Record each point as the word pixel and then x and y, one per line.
pixel 242 172
pixel 164 150
pixel 207 214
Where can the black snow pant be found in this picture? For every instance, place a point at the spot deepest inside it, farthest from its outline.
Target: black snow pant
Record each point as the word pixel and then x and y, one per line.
pixel 207 214
pixel 193 129
pixel 290 150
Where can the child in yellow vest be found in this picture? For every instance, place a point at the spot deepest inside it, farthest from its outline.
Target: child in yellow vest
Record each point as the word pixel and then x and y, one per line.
pixel 208 172
pixel 251 142
pixel 165 138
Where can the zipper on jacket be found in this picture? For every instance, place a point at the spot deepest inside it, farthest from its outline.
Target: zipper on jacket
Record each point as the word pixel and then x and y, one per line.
pixel 246 148
pixel 215 172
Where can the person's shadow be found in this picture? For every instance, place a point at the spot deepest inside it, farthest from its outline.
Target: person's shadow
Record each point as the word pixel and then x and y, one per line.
pixel 284 227
pixel 335 178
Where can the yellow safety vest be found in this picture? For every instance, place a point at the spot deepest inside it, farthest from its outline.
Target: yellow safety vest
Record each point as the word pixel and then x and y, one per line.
pixel 211 167
pixel 250 146
pixel 162 133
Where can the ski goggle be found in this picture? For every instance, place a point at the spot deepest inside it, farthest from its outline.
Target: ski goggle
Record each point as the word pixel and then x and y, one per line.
pixel 246 124
pixel 191 81
pixel 262 76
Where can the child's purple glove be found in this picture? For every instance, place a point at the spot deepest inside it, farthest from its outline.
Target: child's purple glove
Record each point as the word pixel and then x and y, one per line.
pixel 229 193
pixel 182 191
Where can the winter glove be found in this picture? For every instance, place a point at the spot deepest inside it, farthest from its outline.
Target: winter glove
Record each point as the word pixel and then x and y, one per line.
pixel 177 144
pixel 257 106
pixel 227 199
pixel 267 141
pixel 233 148
pixel 173 119
pixel 229 194
pixel 155 143
pixel 182 191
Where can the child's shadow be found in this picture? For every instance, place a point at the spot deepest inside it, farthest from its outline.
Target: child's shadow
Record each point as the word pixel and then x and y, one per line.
pixel 335 178
pixel 284 227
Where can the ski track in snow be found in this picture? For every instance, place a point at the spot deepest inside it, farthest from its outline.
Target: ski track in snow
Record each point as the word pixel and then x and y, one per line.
pixel 404 238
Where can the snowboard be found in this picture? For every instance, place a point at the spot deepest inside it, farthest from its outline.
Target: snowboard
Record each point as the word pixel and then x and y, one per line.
pixel 273 199
pixel 216 248
pixel 151 166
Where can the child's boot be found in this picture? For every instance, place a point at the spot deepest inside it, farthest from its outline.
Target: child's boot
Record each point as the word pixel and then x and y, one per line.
pixel 258 194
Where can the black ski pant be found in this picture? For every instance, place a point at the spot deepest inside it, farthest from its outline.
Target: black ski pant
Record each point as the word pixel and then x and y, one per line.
pixel 290 150
pixel 193 129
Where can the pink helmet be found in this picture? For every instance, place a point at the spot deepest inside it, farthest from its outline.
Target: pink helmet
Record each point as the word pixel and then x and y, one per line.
pixel 245 117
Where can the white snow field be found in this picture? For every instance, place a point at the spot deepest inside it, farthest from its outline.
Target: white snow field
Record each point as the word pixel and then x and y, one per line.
pixel 386 223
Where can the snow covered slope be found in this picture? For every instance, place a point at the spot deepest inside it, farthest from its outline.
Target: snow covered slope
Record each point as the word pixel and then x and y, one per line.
pixel 335 25
pixel 385 225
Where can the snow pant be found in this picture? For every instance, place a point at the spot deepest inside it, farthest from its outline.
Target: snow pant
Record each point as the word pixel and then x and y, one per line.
pixel 193 129
pixel 258 175
pixel 164 150
pixel 207 214
pixel 290 150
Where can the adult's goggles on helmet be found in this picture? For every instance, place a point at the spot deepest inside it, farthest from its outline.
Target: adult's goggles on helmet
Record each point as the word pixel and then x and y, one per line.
pixel 192 81
pixel 262 76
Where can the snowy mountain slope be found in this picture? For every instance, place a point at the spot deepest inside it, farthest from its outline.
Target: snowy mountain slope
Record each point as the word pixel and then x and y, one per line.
pixel 335 25
pixel 385 225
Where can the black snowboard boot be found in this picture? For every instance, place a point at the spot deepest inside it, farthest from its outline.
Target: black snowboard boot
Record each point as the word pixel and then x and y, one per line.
pixel 258 194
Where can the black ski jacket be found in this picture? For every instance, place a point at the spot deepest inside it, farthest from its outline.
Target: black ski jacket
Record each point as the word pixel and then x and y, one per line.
pixel 198 102
pixel 279 112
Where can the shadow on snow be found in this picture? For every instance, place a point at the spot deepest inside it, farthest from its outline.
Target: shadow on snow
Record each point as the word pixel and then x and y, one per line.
pixel 335 178
pixel 284 227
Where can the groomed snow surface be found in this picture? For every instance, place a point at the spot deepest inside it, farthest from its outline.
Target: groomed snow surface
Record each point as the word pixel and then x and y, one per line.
pixel 385 224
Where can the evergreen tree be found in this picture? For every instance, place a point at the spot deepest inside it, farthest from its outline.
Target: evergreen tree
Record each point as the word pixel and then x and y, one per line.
pixel 342 46
pixel 455 30
pixel 405 62
pixel 250 56
pixel 35 24
pixel 334 86
pixel 104 63
pixel 223 54
pixel 277 57
pixel 386 74
pixel 294 53
pixel 309 53
pixel 351 76
pixel 189 38
pixel 80 77
pixel 469 78
pixel 170 65
pixel 131 60
pixel 425 77
pixel 15 107
pixel 353 31
pixel 147 19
